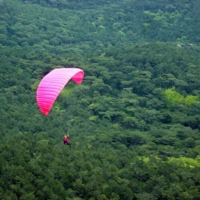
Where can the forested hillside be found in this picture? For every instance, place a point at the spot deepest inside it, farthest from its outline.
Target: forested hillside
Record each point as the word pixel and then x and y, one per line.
pixel 134 122
pixel 84 26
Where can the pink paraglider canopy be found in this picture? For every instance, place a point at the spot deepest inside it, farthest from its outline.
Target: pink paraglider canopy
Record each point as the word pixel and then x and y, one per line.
pixel 52 84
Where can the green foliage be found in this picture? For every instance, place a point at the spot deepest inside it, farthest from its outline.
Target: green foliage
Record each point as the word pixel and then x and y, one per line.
pixel 174 97
pixel 48 30
pixel 189 99
pixel 133 122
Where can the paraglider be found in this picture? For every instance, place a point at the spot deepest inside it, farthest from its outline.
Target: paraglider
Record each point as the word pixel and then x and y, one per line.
pixel 66 141
pixel 52 84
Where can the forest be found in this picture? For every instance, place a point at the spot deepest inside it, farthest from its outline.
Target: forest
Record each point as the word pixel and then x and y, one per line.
pixel 134 122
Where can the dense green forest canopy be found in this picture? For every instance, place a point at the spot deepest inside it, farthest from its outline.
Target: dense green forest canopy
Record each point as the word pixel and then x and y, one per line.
pixel 134 122
pixel 60 26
